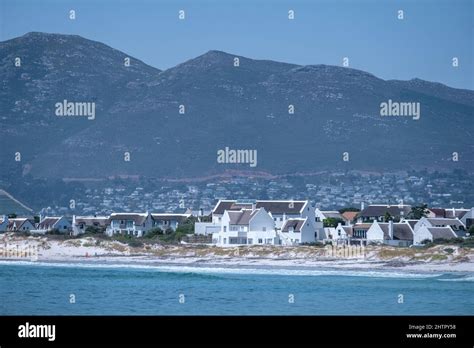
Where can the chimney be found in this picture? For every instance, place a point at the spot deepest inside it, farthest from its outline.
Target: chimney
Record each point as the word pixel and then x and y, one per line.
pixel 390 229
pixel 253 207
pixel 201 212
pixel 361 206
pixel 74 219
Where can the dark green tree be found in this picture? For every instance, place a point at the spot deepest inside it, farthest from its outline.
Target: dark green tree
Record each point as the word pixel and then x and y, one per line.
pixel 332 222
pixel 417 212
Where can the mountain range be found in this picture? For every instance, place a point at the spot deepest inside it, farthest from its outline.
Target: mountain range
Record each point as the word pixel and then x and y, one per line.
pixel 336 110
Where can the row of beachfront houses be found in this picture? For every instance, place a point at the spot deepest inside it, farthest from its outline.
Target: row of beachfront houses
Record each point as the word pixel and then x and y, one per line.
pixel 134 224
pixel 297 222
pixel 273 222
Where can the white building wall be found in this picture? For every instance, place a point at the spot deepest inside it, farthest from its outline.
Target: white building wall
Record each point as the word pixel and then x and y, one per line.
pixel 375 233
pixel 206 228
pixel 261 221
pixel 423 222
pixel 421 234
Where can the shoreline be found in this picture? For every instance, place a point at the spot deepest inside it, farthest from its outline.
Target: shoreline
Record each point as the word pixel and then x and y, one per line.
pixel 188 263
pixel 101 252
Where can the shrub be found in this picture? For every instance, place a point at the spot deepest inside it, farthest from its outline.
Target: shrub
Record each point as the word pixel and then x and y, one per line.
pixel 135 243
pixel 153 233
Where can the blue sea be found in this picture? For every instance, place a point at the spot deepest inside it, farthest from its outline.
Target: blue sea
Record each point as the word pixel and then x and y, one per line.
pixel 91 289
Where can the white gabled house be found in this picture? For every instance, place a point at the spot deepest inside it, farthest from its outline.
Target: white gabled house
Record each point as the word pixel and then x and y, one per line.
pixel 134 224
pixel 81 223
pixel 431 233
pixel 50 223
pixel 246 226
pixel 20 225
pixel 279 210
pixel 166 221
pixel 296 231
pixel 455 224
pixel 339 232
pixel 396 234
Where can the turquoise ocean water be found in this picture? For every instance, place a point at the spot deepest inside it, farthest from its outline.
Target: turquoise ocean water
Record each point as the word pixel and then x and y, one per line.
pixel 49 289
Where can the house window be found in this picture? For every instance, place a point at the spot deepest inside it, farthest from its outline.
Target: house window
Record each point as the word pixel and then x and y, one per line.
pixel 264 229
pixel 225 240
pixel 260 241
pixel 250 241
pixel 225 228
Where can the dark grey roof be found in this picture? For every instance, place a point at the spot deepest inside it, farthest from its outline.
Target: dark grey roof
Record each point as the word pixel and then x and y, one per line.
pixel 347 229
pixel 296 224
pixel 139 219
pixel 222 206
pixel 48 222
pixel 458 213
pixel 441 232
pixel 19 222
pixel 412 223
pixel 282 207
pixel 92 220
pixel 241 217
pixel 361 226
pixel 170 217
pixel 332 214
pixel 380 210
pixel 439 212
pixel 401 231
pixel 446 222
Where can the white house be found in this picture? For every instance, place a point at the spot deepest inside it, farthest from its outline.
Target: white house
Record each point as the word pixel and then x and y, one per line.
pixel 246 226
pixel 339 232
pixel 166 221
pixel 20 224
pixel 81 223
pixel 49 223
pixel 397 234
pixel 297 231
pixel 431 233
pixel 135 224
pixel 455 224
pixel 279 210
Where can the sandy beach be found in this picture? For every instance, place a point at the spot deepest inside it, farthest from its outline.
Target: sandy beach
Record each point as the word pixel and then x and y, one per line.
pixel 440 258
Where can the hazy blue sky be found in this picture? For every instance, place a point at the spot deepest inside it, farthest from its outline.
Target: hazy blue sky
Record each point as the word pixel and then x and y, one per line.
pixel 367 31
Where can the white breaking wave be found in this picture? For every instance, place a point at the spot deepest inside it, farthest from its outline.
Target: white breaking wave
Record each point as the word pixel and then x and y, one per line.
pixel 233 270
pixel 463 279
